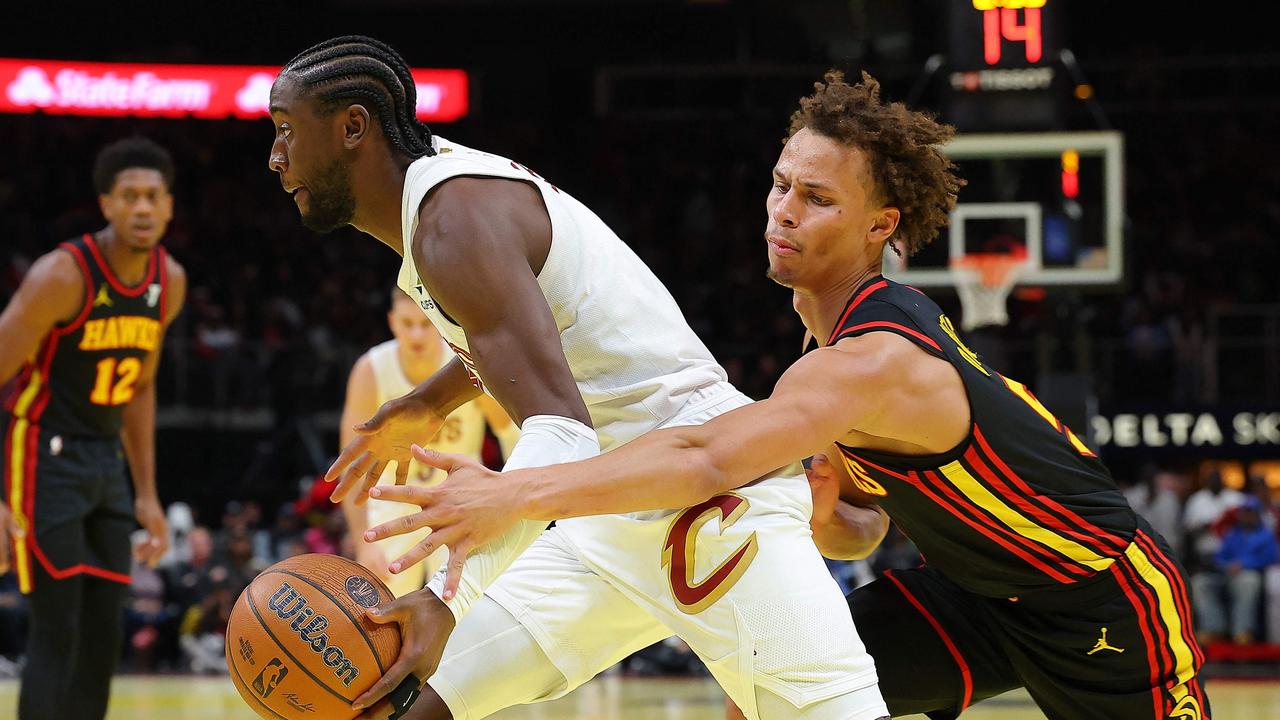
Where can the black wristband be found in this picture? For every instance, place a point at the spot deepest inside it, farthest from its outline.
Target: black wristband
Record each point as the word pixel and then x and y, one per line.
pixel 403 697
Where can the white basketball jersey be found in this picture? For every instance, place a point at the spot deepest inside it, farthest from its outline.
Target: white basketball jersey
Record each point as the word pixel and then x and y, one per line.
pixel 634 357
pixel 463 430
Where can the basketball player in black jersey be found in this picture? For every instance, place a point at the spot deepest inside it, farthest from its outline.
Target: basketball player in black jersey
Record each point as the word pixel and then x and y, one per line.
pixel 79 346
pixel 1038 573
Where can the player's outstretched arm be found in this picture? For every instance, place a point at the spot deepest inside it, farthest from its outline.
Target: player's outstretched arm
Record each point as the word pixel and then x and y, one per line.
pixel 877 385
pixel 818 401
pixel 867 384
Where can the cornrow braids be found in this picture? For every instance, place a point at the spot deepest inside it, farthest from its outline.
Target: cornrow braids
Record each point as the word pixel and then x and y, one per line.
pixel 362 69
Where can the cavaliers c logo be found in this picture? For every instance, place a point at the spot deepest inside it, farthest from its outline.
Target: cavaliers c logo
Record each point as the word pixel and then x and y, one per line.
pixel 678 553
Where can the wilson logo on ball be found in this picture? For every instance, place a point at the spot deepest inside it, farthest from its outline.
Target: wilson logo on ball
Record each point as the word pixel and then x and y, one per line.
pixel 362 591
pixel 310 626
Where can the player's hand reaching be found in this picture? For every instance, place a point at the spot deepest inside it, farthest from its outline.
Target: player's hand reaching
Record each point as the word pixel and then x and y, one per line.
pixel 425 625
pixel 472 507
pixel 151 517
pixel 8 528
pixel 385 438
pixel 824 484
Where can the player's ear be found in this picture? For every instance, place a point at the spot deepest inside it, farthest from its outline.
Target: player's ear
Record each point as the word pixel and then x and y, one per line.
pixel 355 126
pixel 883 223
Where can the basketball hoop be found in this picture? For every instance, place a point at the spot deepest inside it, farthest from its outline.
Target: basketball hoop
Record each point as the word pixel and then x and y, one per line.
pixel 983 281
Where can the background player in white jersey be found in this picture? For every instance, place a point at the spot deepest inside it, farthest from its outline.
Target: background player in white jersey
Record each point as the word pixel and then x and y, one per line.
pixel 556 318
pixel 388 371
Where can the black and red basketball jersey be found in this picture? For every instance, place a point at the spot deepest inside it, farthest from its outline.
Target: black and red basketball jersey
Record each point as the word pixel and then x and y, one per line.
pixel 1022 503
pixel 85 371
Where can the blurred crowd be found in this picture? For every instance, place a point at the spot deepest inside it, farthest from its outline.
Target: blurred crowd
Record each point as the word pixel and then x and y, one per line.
pixel 276 315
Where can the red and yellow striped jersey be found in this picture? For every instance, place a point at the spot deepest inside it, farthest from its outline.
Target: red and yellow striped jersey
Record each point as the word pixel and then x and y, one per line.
pixel 1022 503
pixel 84 372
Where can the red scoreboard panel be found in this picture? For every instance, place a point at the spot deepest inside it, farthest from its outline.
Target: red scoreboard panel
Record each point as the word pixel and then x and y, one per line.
pixel 1004 66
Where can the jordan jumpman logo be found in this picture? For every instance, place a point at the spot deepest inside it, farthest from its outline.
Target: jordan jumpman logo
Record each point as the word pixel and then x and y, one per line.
pixel 1104 645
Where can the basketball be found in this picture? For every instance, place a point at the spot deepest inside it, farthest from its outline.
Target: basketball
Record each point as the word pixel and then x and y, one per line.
pixel 299 644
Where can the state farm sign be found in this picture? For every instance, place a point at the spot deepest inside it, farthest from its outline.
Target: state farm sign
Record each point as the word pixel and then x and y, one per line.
pixel 203 91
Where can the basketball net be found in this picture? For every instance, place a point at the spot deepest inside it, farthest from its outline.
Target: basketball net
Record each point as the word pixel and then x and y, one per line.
pixel 983 281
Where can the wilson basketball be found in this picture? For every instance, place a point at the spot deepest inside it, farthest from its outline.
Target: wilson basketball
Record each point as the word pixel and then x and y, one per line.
pixel 299 644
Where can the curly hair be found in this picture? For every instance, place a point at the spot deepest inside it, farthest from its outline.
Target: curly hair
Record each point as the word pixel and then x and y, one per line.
pixel 131 152
pixel 908 169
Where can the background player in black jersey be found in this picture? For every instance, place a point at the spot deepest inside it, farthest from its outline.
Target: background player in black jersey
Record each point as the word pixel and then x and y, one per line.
pixel 79 345
pixel 1038 573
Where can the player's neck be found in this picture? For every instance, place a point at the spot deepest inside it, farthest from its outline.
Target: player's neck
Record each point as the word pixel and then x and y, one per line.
pixel 129 265
pixel 418 368
pixel 820 308
pixel 378 190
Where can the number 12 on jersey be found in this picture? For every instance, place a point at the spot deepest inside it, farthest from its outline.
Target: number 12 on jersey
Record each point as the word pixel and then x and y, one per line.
pixel 114 384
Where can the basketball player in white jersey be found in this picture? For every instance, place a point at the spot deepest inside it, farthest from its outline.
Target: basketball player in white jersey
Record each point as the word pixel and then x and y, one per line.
pixel 551 314
pixel 388 371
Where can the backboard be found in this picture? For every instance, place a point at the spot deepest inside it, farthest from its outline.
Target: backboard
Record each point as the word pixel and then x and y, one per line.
pixel 1058 195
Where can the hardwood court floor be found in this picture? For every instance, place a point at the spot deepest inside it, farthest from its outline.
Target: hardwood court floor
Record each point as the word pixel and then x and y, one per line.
pixel 609 698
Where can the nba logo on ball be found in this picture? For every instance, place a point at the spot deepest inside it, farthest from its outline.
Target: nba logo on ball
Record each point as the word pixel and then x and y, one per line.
pixel 362 591
pixel 270 677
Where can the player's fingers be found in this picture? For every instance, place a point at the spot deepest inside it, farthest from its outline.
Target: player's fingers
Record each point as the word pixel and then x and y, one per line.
pixel 4 556
pixel 388 682
pixel 349 454
pixel 457 561
pixel 351 477
pixel 162 547
pixel 419 552
pixel 436 459
pixel 375 472
pixel 396 526
pixel 822 467
pixel 380 711
pixel 419 496
pixel 142 550
pixel 369 480
pixel 396 610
